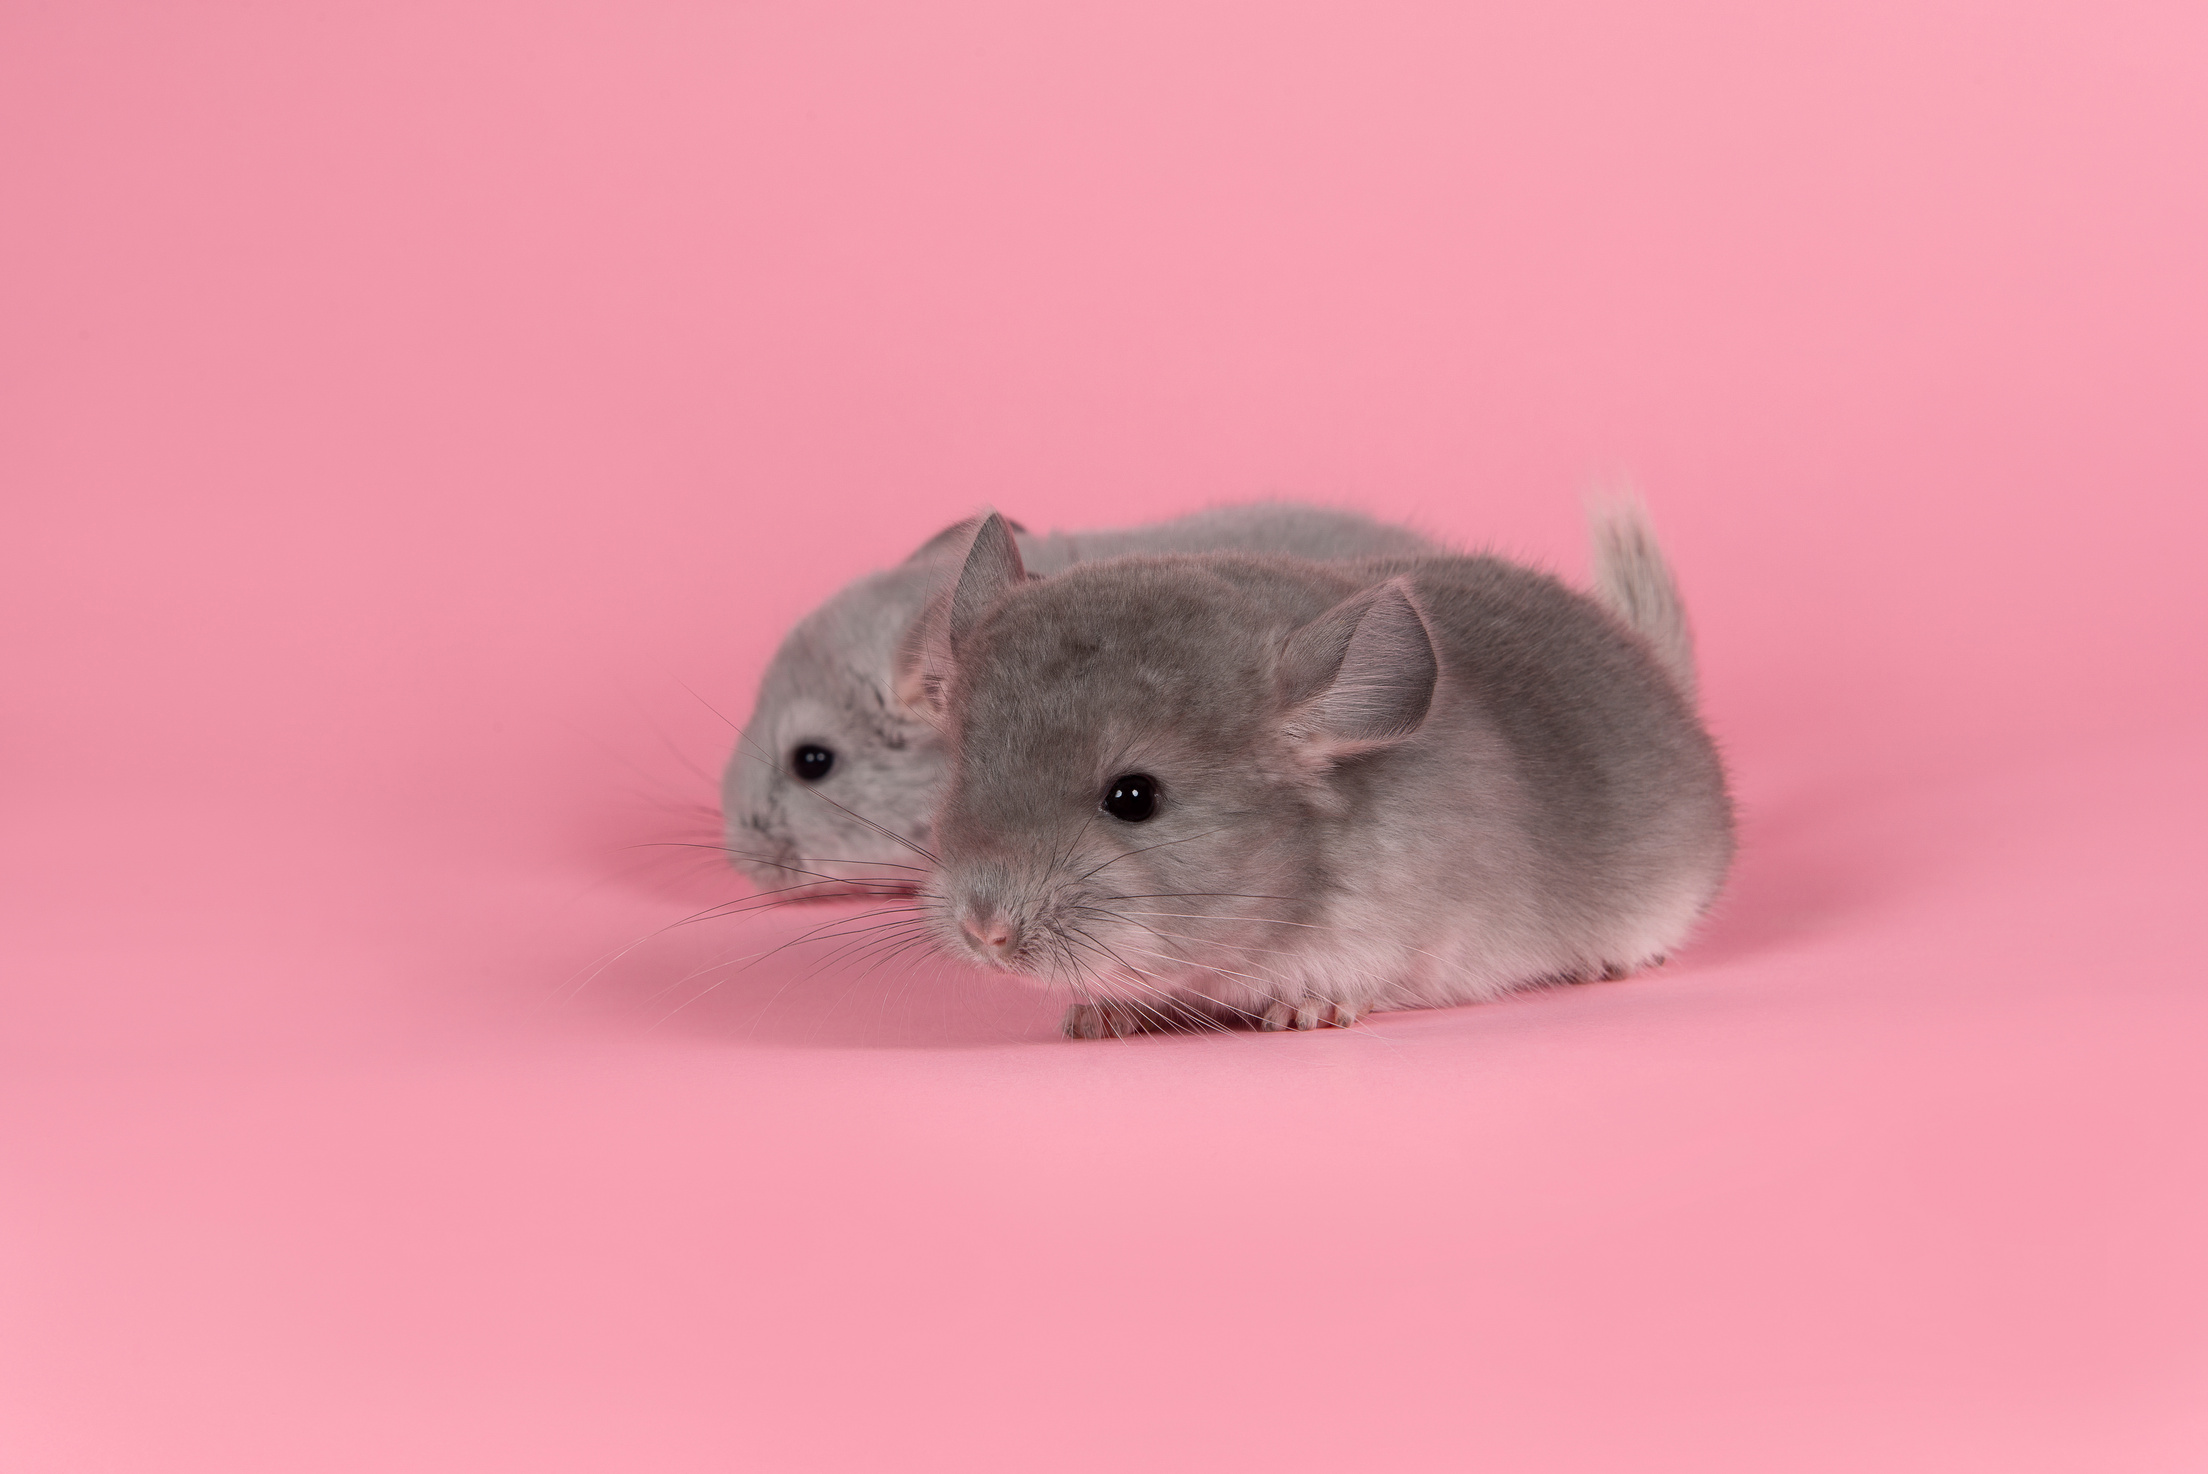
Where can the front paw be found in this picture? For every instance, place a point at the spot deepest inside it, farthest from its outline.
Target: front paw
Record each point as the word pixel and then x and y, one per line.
pixel 1106 1020
pixel 1309 1013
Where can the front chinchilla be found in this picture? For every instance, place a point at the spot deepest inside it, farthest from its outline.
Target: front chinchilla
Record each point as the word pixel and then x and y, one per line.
pixel 1218 787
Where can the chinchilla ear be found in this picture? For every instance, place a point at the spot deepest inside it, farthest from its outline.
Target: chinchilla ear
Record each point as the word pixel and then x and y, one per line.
pixel 924 660
pixel 928 652
pixel 992 569
pixel 953 539
pixel 1361 674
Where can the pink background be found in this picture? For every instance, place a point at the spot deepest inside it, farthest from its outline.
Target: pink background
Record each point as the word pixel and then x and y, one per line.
pixel 403 403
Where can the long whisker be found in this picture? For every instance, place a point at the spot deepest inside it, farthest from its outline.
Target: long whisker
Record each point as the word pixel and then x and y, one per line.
pixel 679 844
pixel 709 706
pixel 883 830
pixel 1176 936
pixel 1229 916
pixel 746 963
pixel 1325 926
pixel 767 901
pixel 1146 849
pixel 875 954
pixel 1194 895
pixel 1161 990
pixel 1168 1009
pixel 811 933
pixel 1249 977
pixel 856 942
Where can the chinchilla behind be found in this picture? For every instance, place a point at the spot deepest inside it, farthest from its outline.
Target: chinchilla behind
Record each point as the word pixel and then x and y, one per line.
pixel 831 785
pixel 1209 787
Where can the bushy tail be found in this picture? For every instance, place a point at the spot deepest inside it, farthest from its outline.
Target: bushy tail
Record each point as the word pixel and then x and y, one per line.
pixel 1632 578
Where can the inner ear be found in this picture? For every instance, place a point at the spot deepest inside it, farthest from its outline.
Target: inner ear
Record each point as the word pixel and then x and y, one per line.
pixel 923 662
pixel 920 678
pixel 1363 672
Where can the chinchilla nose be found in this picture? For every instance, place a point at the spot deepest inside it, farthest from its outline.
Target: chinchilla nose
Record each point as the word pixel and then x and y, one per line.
pixel 993 936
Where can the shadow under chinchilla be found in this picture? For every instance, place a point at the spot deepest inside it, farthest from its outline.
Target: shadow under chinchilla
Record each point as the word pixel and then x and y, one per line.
pixel 1812 860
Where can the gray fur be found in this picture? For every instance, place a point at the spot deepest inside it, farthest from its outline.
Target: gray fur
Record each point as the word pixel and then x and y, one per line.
pixel 1631 576
pixel 1395 783
pixel 835 681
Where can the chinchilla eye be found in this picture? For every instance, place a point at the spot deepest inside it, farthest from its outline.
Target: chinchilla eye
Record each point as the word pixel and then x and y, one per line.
pixel 811 761
pixel 1132 797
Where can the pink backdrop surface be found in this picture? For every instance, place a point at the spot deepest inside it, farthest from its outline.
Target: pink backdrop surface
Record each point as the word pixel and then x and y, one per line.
pixel 404 404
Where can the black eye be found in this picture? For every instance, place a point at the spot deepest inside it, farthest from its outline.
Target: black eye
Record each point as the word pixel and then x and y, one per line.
pixel 811 761
pixel 1131 796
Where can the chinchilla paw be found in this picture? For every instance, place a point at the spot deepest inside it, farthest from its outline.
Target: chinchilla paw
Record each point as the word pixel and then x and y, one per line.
pixel 1309 1013
pixel 1104 1021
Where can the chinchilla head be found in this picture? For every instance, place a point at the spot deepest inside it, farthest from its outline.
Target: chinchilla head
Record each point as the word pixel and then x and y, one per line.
pixel 1145 754
pixel 829 789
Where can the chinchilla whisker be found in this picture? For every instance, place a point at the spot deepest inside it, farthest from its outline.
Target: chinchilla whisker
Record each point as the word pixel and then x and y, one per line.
pixel 1061 950
pixel 1072 846
pixel 711 967
pixel 752 959
pixel 1221 916
pixel 1183 962
pixel 716 912
pixel 740 963
pixel 1174 1009
pixel 774 998
pixel 1107 949
pixel 1365 974
pixel 1130 975
pixel 883 830
pixel 678 844
pixel 849 952
pixel 788 868
pixel 1117 916
pixel 861 934
pixel 889 953
pixel 881 934
pixel 765 900
pixel 1157 987
pixel 1248 977
pixel 1196 895
pixel 1182 936
pixel 751 905
pixel 812 933
pixel 855 943
pixel 745 963
pixel 1324 926
pixel 709 706
pixel 1146 849
pixel 892 953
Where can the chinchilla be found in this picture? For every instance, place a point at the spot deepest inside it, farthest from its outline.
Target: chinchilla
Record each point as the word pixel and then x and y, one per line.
pixel 1217 787
pixel 831 785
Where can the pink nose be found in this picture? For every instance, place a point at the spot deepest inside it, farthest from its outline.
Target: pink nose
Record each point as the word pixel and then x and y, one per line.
pixel 992 936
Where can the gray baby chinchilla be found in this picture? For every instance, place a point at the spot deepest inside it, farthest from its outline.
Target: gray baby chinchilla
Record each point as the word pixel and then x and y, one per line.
pixel 1218 787
pixel 831 785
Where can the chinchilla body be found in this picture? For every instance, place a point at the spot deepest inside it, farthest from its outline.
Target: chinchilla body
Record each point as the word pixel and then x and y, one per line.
pixel 832 783
pixel 1291 792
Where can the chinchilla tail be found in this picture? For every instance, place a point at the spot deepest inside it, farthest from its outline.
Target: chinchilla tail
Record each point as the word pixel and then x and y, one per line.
pixel 1632 578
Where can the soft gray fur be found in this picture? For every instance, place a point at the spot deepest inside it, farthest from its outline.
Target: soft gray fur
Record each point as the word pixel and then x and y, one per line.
pixel 1632 577
pixel 1400 783
pixel 834 681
